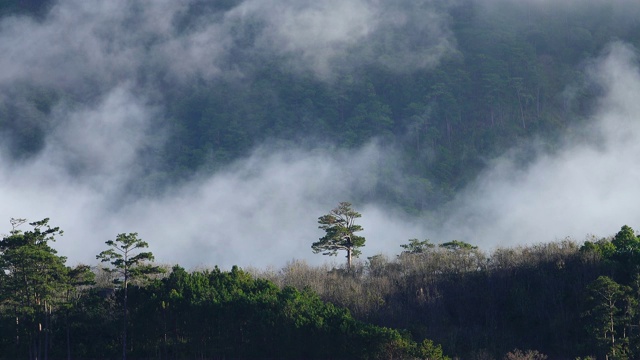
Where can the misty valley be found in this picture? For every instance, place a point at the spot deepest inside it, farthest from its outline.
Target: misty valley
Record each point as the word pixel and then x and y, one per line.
pixel 344 179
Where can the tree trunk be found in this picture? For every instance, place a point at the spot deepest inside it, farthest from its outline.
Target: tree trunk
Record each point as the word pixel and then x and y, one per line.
pixel 68 337
pixel 611 324
pixel 124 320
pixel 46 331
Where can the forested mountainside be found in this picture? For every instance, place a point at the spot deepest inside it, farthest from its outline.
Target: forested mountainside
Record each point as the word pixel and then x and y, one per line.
pixel 220 128
pixel 499 72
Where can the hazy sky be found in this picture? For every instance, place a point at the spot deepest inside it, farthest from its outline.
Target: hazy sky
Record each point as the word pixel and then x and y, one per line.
pixel 262 210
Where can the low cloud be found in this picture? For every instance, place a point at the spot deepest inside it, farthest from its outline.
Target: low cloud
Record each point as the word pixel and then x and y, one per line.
pixel 260 211
pixel 88 47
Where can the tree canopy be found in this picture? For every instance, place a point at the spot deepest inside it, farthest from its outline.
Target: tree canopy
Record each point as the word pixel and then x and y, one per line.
pixel 340 228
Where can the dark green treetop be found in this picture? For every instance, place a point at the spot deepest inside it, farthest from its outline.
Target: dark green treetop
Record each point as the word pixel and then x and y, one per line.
pixel 128 262
pixel 416 246
pixel 457 245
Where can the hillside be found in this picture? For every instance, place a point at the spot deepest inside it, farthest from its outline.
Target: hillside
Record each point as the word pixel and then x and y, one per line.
pixel 563 300
pixel 479 79
pixel 503 130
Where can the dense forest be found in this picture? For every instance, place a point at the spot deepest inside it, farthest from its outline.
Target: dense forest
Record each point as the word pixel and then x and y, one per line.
pixel 132 308
pixel 560 300
pixel 134 100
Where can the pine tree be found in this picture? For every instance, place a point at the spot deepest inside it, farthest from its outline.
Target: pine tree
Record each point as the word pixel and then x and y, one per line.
pixel 340 228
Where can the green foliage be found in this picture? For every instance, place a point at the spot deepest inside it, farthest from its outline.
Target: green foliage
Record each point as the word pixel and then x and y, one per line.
pixel 32 277
pixel 416 246
pixel 603 248
pixel 627 252
pixel 340 228
pixel 213 313
pixel 626 241
pixel 623 251
pixel 427 350
pixel 457 245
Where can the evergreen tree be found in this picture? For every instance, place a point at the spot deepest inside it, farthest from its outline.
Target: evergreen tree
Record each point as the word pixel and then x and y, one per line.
pixel 340 228
pixel 32 279
pixel 128 263
pixel 608 316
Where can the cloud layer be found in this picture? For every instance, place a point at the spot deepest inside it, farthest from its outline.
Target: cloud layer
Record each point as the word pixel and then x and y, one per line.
pixel 261 211
pixel 79 92
pixel 100 44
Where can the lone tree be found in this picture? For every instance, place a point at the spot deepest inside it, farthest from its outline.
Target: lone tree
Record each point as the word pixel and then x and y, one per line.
pixel 339 226
pixel 128 264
